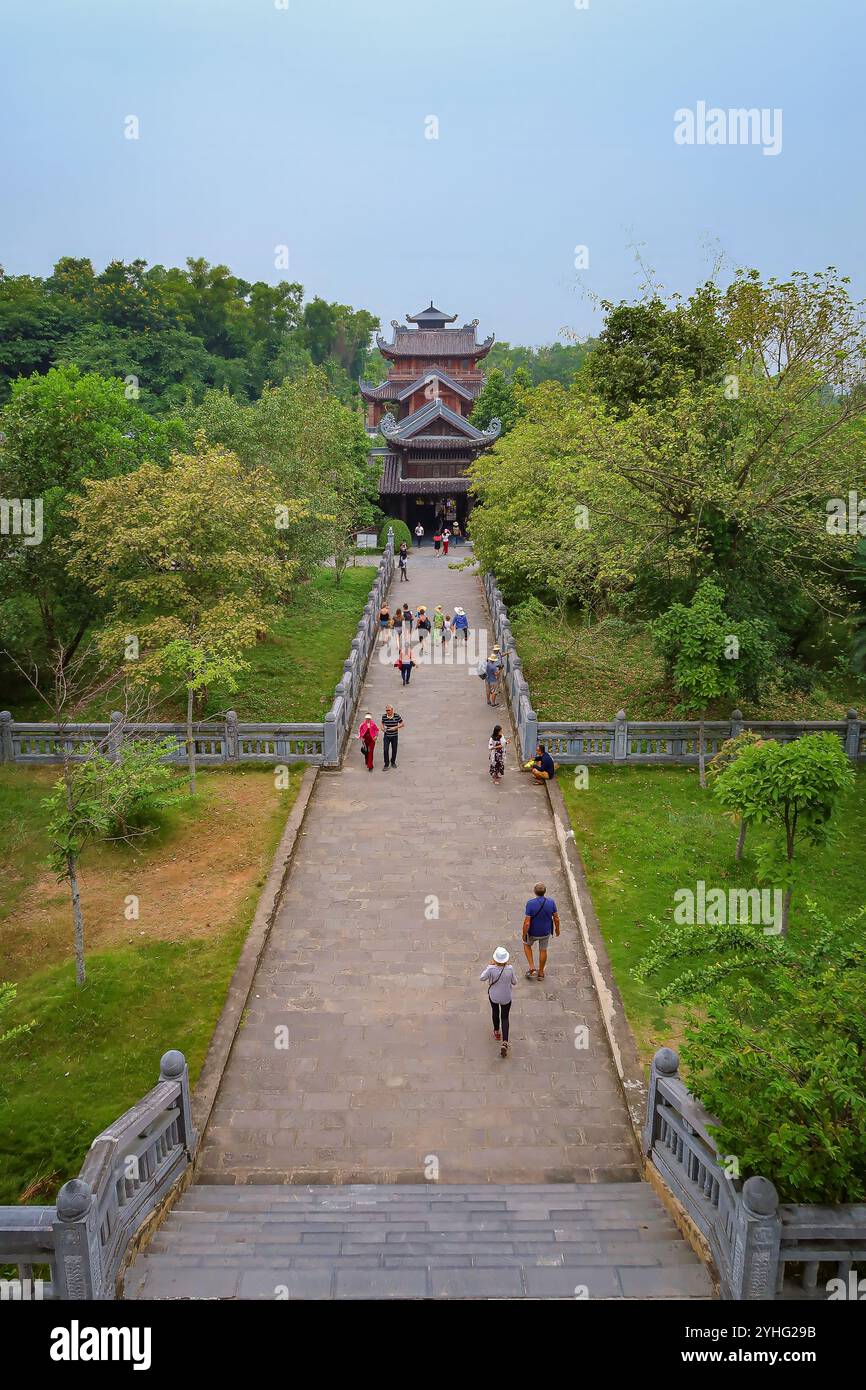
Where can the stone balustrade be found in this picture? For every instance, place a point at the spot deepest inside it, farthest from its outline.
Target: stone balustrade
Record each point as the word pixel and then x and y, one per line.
pixel 217 741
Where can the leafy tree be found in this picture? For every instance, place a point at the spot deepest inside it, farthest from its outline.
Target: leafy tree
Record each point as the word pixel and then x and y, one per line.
pixel 647 351
pixel 551 362
pixel 401 533
pixel 696 643
pixel 777 1052
pixel 58 431
pixel 215 654
pixel 97 800
pixel 501 399
pixel 792 787
pixel 187 560
pixel 727 754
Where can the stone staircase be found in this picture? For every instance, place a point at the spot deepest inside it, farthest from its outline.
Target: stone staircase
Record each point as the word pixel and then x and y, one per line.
pixel 562 1240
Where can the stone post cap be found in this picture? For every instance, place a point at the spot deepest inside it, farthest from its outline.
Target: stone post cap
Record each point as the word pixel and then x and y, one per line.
pixel 852 714
pixel 736 714
pixel 116 714
pixel 171 1065
pixel 5 714
pixel 760 1196
pixel 621 715
pixel 74 1199
pixel 666 1061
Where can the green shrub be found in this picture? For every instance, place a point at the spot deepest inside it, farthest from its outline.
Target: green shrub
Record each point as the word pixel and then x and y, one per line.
pixel 777 1053
pixel 401 533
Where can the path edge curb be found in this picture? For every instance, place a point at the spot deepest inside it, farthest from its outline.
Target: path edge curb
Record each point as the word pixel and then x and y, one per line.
pixel 620 1038
pixel 228 1024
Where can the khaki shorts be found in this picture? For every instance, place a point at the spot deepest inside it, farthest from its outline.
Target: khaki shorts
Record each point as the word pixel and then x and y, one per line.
pixel 543 942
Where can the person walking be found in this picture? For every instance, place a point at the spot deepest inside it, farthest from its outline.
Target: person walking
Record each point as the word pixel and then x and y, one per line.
pixel 403 564
pixel 438 623
pixel 437 543
pixel 404 664
pixel 540 923
pixel 502 980
pixel 461 623
pixel 406 620
pixel 368 733
pixel 419 534
pixel 458 536
pixel 446 536
pixel 422 627
pixel 496 747
pixel 391 725
pixel 384 623
pixel 447 631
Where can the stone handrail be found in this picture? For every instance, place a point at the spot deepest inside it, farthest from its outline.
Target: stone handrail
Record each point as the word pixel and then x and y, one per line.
pixel 217 741
pixel 753 1239
pixel 583 742
pixel 126 1175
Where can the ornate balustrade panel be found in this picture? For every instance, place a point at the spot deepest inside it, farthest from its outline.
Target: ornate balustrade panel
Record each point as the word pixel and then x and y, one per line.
pixel 127 1172
pixel 755 1242
pixel 338 720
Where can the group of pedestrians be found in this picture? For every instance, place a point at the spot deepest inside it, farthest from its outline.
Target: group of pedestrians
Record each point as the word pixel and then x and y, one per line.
pixel 540 925
pixel 443 534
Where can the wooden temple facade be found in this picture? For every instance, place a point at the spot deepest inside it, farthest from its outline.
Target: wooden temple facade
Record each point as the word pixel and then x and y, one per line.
pixel 421 411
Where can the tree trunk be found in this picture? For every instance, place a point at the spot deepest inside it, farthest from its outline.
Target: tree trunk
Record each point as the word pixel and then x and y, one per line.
pixel 77 918
pixel 702 751
pixel 786 907
pixel 190 742
pixel 741 840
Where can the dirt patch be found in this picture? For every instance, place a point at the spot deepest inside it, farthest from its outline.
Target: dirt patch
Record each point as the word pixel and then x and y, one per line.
pixel 191 884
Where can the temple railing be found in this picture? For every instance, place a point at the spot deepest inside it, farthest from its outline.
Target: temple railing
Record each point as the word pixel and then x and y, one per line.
pixel 640 742
pixel 762 1249
pixel 128 1171
pixel 220 741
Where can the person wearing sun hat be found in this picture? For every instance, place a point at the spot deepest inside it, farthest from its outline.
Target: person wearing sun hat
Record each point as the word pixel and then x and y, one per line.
pixel 502 980
pixel 461 623
pixel 438 623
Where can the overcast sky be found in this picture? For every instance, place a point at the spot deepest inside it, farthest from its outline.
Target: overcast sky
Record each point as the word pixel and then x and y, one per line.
pixel 304 123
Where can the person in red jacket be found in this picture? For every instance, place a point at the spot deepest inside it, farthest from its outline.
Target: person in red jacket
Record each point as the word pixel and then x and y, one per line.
pixel 368 733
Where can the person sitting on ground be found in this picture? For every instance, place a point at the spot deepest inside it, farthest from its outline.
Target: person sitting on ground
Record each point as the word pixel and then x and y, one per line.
pixel 543 768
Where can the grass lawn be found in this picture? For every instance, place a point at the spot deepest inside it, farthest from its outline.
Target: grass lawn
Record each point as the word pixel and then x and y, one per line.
pixel 153 983
pixel 580 672
pixel 293 672
pixel 645 832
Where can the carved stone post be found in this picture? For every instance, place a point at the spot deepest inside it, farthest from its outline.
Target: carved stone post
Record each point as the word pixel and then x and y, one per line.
pixel 330 750
pixel 664 1063
pixel 852 734
pixel 755 1255
pixel 736 722
pixel 5 736
pixel 173 1067
pixel 76 1243
pixel 232 742
pixel 620 737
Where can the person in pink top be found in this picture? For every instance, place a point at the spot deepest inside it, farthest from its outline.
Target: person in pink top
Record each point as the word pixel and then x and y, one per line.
pixel 368 733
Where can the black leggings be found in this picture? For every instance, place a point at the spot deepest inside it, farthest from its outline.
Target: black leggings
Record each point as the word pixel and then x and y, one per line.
pixel 504 1010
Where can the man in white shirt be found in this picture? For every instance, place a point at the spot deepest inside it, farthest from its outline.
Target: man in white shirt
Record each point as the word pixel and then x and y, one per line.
pixel 419 533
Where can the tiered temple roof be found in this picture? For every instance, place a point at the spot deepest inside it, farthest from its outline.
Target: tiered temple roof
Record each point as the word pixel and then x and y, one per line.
pixel 396 391
pixel 430 338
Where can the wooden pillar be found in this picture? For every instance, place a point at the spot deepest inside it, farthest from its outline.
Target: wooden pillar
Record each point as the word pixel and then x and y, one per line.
pixel 404 507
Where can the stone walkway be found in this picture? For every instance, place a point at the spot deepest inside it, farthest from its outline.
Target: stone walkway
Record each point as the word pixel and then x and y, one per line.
pixel 391 1073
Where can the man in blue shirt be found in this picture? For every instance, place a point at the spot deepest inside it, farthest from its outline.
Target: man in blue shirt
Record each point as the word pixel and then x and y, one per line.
pixel 539 924
pixel 544 769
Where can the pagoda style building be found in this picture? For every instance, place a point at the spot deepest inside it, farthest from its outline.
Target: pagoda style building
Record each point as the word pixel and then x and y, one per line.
pixel 422 411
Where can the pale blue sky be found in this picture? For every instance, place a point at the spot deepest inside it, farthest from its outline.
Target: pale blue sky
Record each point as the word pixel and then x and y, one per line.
pixel 304 126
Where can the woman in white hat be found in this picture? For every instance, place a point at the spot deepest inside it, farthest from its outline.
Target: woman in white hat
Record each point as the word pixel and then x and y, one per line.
pixel 502 980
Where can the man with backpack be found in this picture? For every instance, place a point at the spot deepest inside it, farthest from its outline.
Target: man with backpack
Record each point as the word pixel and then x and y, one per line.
pixel 540 922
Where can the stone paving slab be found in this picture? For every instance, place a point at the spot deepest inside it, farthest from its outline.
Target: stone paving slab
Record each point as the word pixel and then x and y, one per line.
pixel 391 1062
pixel 463 1244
